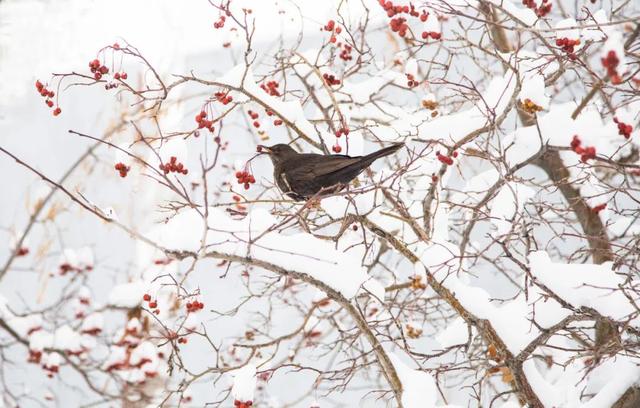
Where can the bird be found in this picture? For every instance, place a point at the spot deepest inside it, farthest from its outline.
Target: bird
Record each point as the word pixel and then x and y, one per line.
pixel 301 176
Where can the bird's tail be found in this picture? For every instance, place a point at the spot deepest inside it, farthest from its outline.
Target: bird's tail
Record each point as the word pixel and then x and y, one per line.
pixel 371 157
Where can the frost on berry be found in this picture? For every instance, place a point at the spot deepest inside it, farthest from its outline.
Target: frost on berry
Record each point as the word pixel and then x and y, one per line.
pixel 541 9
pixel 586 153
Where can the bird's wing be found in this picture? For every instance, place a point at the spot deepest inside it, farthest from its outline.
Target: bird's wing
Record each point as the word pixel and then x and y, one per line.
pixel 320 165
pixel 309 173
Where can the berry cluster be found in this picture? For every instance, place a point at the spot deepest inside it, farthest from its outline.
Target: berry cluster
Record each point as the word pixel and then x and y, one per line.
pixel 342 131
pixel 585 153
pixel 120 75
pixel 48 94
pixel 330 25
pixel 51 369
pixel 446 159
pixel 174 166
pixel 610 63
pixel 345 54
pixel 271 87
pixel 34 356
pixel 392 9
pixel 98 69
pixel 223 97
pixel 599 208
pixel 433 34
pixel 330 79
pixel 567 46
pixel 153 304
pixel 122 169
pixel 411 82
pixel 241 404
pixel 194 306
pixel 624 129
pixel 399 25
pixel 201 120
pixel 220 23
pixel 541 11
pixel 246 178
pixel 66 267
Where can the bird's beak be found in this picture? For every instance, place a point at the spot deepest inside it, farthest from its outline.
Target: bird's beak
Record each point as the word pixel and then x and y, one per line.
pixel 264 149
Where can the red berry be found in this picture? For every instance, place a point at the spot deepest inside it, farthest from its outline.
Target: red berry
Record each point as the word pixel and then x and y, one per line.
pixel 153 304
pixel 57 111
pixel 146 297
pixel 336 148
pixel 123 75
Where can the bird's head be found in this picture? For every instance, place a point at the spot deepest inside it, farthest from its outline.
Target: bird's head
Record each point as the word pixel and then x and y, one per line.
pixel 279 152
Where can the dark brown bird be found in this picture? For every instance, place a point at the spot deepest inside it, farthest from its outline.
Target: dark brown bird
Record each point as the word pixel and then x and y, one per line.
pixel 300 176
